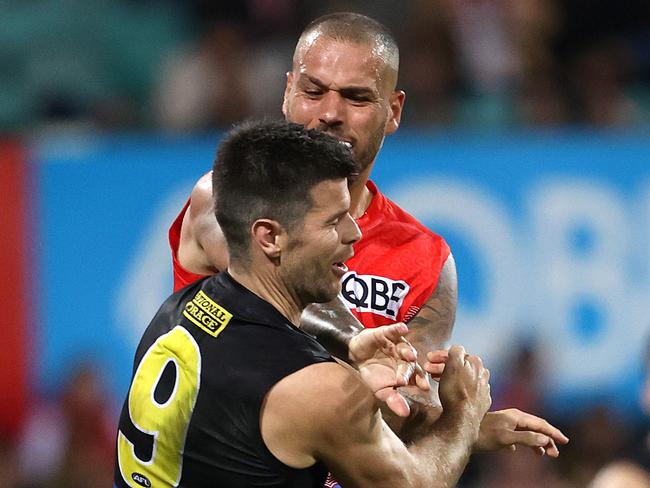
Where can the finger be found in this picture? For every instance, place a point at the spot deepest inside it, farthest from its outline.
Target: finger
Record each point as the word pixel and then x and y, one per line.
pixel 435 363
pixel 456 357
pixel 526 421
pixel 396 402
pixel 422 378
pixel 394 333
pixel 434 369
pixel 406 351
pixel 552 450
pixel 540 443
pixel 530 439
pixel 438 356
pixel 455 363
pixel 386 337
pixel 475 363
pixel 403 372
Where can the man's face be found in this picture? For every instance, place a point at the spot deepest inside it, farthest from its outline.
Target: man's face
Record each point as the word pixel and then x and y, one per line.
pixel 347 91
pixel 311 263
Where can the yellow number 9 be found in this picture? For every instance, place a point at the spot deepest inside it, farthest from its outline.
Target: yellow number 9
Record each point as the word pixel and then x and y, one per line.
pixel 160 411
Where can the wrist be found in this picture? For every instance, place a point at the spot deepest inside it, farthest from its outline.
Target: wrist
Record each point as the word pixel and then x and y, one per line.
pixel 461 420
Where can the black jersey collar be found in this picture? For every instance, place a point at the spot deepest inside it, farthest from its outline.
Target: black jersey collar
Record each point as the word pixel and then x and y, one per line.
pixel 243 303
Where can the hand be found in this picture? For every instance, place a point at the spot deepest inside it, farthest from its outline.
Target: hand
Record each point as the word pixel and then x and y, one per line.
pixel 512 427
pixel 387 361
pixel 423 415
pixel 464 387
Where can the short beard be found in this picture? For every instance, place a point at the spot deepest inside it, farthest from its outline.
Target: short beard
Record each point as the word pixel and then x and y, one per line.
pixel 375 141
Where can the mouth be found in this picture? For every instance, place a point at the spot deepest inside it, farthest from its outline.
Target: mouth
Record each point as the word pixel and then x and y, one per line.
pixel 347 144
pixel 340 269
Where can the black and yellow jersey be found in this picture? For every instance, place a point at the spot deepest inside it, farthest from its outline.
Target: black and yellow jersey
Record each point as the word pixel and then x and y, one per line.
pixel 201 372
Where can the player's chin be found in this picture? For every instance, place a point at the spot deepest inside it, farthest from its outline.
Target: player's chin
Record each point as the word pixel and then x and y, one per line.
pixel 326 291
pixel 333 290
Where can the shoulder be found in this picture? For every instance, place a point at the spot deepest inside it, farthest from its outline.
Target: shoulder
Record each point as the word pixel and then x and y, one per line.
pixel 202 249
pixel 319 404
pixel 201 199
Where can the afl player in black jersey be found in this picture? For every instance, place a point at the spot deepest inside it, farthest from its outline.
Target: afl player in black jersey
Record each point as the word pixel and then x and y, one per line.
pixel 227 391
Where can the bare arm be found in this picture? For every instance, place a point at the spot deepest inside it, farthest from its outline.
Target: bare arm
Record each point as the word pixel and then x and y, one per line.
pixel 431 328
pixel 344 428
pixel 333 325
pixel 202 248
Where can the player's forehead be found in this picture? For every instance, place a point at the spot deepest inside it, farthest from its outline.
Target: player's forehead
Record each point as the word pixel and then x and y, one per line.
pixel 337 62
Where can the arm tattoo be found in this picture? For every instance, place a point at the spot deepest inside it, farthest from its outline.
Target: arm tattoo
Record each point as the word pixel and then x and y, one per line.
pixel 431 327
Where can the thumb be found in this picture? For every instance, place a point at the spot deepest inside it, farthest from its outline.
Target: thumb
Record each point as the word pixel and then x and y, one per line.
pixel 396 402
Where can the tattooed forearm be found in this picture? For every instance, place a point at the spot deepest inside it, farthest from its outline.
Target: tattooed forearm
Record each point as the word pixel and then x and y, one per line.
pixel 332 324
pixel 431 327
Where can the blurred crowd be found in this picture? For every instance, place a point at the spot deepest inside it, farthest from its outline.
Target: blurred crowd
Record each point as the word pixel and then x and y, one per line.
pixel 200 64
pixel 68 438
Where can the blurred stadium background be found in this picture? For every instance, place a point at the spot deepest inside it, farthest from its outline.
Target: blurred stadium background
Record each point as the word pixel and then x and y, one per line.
pixel 525 141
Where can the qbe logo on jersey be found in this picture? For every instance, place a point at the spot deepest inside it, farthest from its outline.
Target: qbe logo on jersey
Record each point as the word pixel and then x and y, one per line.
pixel 375 294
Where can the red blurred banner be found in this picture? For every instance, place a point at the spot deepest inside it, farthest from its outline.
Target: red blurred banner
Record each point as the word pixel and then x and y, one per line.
pixel 15 319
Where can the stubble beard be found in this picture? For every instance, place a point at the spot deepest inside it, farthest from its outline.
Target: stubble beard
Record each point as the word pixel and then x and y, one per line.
pixel 367 157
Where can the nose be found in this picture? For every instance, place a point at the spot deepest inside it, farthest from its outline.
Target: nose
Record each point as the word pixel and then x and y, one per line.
pixel 332 109
pixel 349 230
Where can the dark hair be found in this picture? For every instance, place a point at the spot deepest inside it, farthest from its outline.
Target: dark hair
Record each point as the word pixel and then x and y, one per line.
pixel 266 169
pixel 356 28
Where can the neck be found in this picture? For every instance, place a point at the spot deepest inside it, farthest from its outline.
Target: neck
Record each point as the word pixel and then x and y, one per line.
pixel 360 196
pixel 270 289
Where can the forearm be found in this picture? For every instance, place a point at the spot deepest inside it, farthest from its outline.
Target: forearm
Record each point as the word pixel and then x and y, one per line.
pixel 432 326
pixel 445 451
pixel 333 325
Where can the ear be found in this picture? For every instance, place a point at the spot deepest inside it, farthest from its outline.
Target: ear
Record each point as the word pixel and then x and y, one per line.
pixel 266 235
pixel 396 104
pixel 287 92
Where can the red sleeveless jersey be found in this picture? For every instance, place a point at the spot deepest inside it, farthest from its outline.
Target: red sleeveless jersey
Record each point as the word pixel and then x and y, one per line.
pixel 396 264
pixel 394 270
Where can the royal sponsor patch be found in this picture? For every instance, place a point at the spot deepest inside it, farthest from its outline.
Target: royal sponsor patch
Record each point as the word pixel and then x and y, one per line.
pixel 207 314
